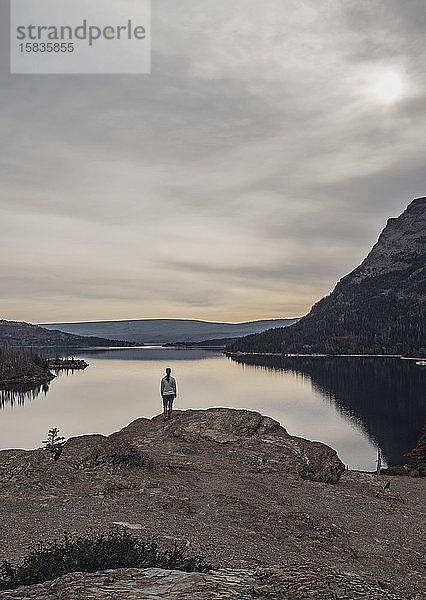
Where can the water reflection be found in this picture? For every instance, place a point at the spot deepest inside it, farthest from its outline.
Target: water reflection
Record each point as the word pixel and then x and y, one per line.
pixel 386 396
pixel 154 353
pixel 351 404
pixel 19 394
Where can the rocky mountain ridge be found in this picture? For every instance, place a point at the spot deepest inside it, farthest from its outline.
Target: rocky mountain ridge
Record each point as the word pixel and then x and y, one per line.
pixel 400 245
pixel 378 308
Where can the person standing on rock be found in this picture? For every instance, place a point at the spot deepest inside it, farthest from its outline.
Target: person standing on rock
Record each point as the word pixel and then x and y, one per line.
pixel 168 393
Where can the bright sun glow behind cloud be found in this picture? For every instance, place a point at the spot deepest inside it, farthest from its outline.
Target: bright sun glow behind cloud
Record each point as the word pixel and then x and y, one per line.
pixel 388 87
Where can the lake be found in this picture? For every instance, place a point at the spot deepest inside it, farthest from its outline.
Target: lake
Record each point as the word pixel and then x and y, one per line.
pixel 355 405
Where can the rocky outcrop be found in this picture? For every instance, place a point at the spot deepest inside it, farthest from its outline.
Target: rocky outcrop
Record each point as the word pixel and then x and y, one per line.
pixel 217 439
pixel 281 583
pixel 232 486
pixel 377 309
pixel 225 439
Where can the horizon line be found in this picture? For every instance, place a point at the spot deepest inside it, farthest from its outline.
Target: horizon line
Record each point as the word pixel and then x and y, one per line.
pixel 167 319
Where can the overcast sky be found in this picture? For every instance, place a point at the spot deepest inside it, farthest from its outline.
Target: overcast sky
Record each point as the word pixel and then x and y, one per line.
pixel 254 167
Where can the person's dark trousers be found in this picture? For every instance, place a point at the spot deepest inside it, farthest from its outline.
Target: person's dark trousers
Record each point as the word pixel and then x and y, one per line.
pixel 168 405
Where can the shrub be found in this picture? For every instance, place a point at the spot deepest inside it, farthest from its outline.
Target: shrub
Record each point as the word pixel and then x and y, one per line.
pixel 400 470
pixel 54 443
pixel 95 552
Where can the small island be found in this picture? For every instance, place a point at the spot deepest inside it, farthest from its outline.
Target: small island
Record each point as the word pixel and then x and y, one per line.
pixel 67 364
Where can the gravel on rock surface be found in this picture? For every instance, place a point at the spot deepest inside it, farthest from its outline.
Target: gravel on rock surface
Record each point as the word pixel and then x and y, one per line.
pixel 230 485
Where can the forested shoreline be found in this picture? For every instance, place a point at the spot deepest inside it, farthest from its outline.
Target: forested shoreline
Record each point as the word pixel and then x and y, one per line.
pixel 22 365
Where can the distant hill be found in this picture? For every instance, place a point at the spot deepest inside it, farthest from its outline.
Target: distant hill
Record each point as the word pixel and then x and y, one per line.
pixel 18 333
pixel 162 331
pixel 377 309
pixel 219 343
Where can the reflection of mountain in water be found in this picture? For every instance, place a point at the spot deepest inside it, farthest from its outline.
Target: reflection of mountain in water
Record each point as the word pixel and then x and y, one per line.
pixel 19 394
pixel 385 395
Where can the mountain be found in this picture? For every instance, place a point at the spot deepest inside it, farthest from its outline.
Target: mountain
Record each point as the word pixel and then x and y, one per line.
pixel 18 333
pixel 377 309
pixel 162 331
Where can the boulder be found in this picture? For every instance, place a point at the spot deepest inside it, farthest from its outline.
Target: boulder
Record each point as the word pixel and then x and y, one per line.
pixel 229 439
pixel 214 440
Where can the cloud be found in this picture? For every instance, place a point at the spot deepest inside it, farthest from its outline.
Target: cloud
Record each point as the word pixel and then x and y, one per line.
pixel 240 180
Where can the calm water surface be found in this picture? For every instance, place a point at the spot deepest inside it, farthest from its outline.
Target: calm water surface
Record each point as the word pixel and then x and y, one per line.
pixel 352 404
